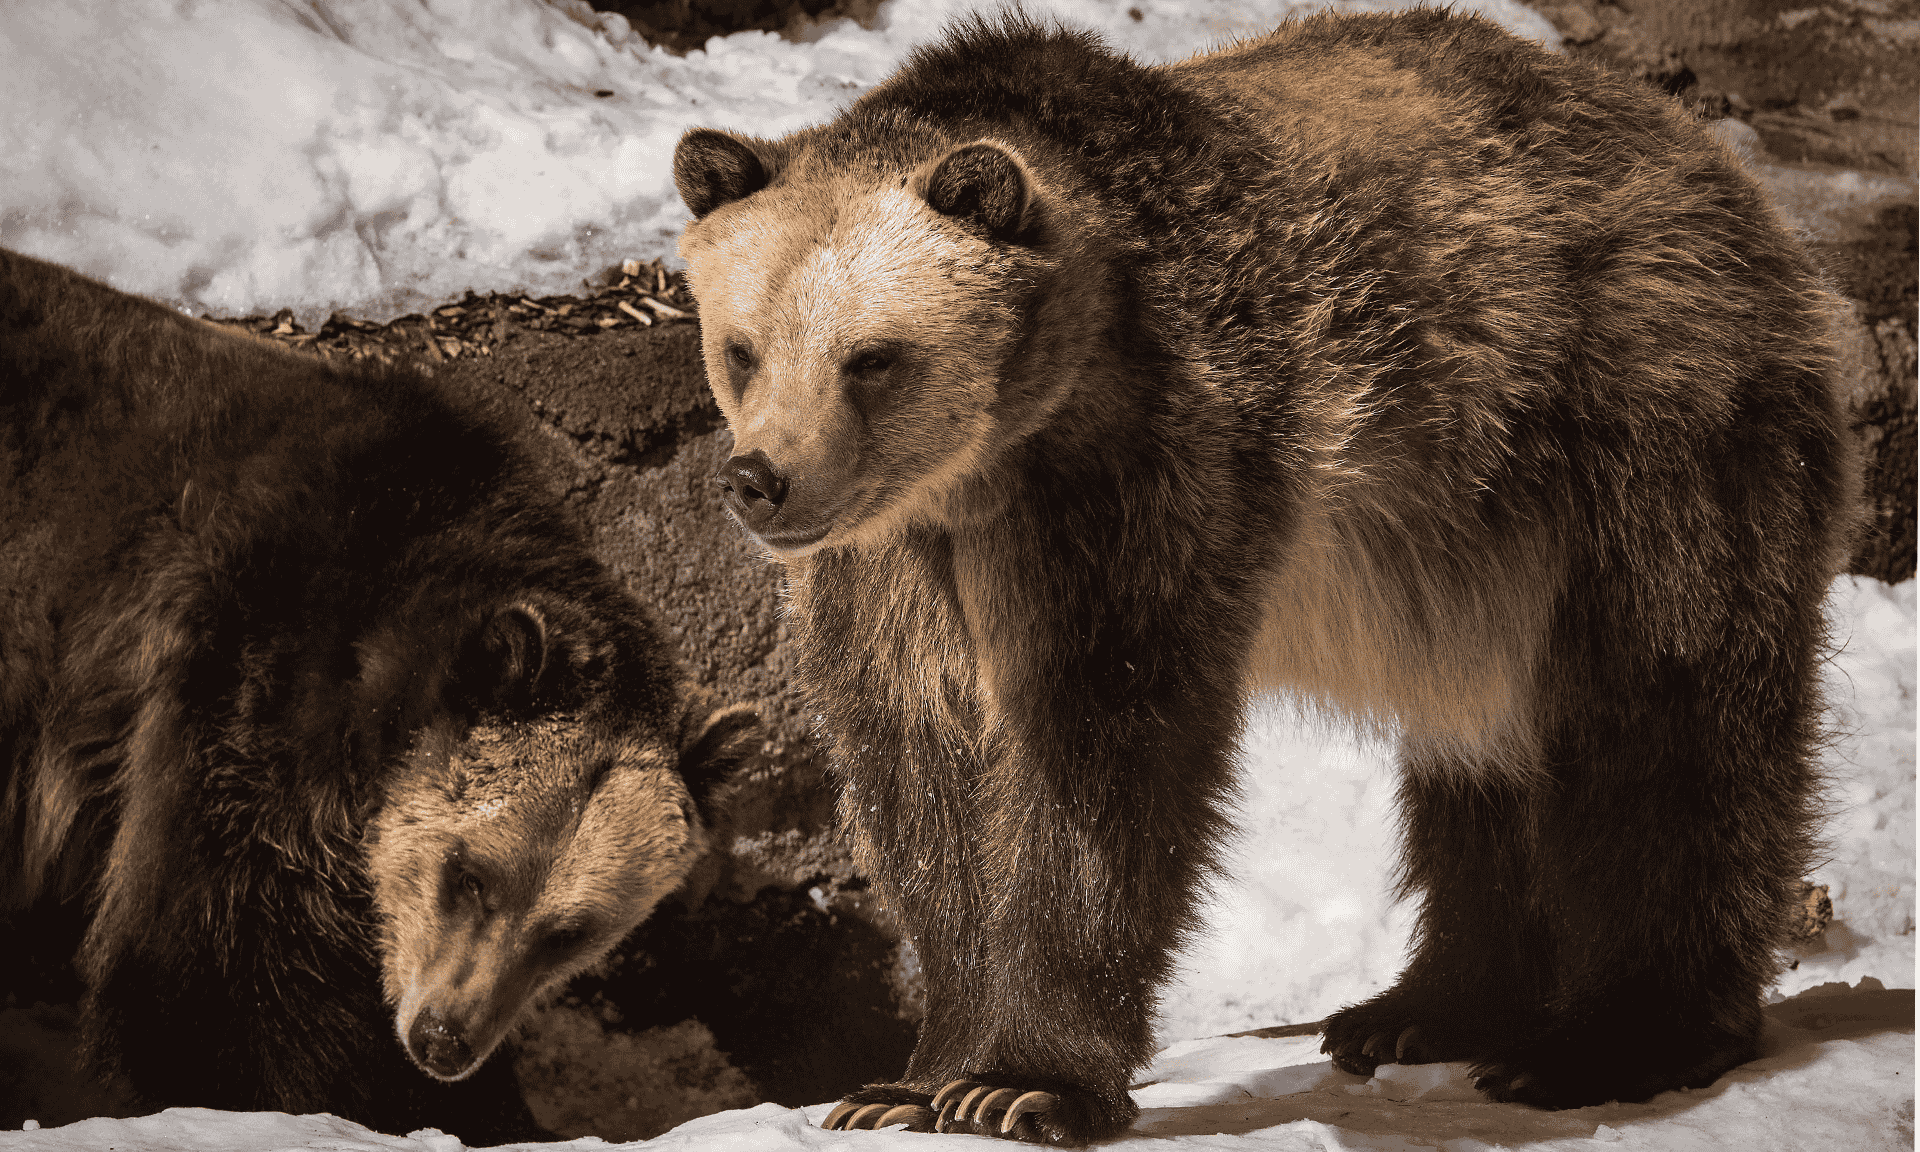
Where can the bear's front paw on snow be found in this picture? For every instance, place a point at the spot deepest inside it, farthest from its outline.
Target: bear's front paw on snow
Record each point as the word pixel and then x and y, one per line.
pixel 1055 1115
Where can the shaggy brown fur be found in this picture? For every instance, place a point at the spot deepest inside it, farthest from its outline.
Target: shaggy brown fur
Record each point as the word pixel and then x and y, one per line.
pixel 1454 385
pixel 304 681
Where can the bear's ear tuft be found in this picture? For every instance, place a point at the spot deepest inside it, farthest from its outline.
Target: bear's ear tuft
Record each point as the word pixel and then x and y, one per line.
pixel 502 668
pixel 983 185
pixel 712 168
pixel 714 745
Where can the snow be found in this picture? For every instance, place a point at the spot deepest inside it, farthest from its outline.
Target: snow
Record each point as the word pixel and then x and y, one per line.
pixel 237 156
pixel 1836 1073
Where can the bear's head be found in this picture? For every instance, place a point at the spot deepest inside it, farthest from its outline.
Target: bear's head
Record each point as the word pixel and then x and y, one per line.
pixel 857 315
pixel 543 805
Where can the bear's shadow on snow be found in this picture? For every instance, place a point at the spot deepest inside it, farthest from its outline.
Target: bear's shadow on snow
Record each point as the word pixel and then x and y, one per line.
pixel 1794 1031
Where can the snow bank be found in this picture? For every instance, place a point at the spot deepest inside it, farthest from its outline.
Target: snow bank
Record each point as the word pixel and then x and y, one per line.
pixel 237 156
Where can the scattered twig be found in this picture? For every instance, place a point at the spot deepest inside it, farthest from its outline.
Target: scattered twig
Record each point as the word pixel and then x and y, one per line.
pixel 635 294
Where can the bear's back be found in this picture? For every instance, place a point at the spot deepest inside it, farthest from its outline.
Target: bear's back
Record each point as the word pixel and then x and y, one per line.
pixel 121 420
pixel 147 458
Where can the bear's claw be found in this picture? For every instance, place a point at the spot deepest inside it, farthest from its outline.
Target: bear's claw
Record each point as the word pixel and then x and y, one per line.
pixel 848 1117
pixel 963 1106
pixel 963 1100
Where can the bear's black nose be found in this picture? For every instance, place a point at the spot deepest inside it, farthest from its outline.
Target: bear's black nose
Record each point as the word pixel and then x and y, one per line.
pixel 438 1046
pixel 754 490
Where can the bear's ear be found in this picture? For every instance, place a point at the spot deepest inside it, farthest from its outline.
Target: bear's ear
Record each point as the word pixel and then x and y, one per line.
pixel 502 667
pixel 712 168
pixel 714 744
pixel 983 185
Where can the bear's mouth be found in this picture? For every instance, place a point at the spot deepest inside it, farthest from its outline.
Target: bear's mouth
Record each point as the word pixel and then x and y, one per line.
pixel 790 542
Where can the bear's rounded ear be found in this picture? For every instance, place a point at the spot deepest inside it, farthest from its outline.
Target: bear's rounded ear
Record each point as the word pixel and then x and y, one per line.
pixel 503 667
pixel 714 744
pixel 712 168
pixel 983 185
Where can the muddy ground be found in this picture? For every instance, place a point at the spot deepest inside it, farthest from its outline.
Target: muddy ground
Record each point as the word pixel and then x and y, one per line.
pixel 775 975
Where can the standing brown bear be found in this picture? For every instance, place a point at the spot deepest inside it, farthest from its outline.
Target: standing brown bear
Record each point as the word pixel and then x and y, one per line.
pixel 310 691
pixel 1453 385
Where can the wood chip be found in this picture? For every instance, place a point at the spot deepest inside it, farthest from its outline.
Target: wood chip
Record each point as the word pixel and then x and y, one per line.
pixel 666 311
pixel 635 312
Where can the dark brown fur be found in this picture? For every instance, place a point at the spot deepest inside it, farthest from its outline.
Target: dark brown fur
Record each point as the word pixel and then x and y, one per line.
pixel 306 682
pixel 1451 384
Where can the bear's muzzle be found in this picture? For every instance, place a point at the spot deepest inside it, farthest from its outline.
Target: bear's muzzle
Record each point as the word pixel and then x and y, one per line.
pixel 754 490
pixel 438 1046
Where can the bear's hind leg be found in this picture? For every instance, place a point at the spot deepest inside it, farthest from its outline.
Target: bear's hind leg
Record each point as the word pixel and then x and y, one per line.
pixel 1477 954
pixel 1666 865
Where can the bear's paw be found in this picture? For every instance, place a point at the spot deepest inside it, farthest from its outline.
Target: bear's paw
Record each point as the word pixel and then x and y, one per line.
pixel 1630 1060
pixel 1406 1026
pixel 1061 1117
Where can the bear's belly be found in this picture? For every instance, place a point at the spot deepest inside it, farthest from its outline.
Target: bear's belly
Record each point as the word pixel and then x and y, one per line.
pixel 1437 647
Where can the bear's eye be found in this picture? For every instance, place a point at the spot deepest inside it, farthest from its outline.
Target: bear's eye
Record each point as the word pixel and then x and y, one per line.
pixel 565 939
pixel 868 363
pixel 739 357
pixel 472 885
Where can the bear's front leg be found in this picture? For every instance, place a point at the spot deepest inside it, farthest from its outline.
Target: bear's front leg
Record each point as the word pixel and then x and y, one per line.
pixel 1039 826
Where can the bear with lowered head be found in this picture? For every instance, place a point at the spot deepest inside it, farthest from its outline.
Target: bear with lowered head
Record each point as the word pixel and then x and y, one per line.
pixel 312 698
pixel 1456 387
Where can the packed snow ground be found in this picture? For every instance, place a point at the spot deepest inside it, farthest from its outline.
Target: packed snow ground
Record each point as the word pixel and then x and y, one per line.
pixel 237 156
pixel 1837 1075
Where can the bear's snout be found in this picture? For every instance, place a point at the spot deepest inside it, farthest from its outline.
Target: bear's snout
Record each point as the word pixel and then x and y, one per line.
pixel 439 1047
pixel 754 489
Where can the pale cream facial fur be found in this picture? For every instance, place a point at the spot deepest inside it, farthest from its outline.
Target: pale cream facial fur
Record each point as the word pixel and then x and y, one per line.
pixel 506 860
pixel 808 284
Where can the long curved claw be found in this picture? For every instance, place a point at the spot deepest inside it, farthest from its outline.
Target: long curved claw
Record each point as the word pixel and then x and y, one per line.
pixel 993 1100
pixel 965 1101
pixel 953 1088
pixel 916 1117
pixel 947 1117
pixel 948 1102
pixel 1031 1102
